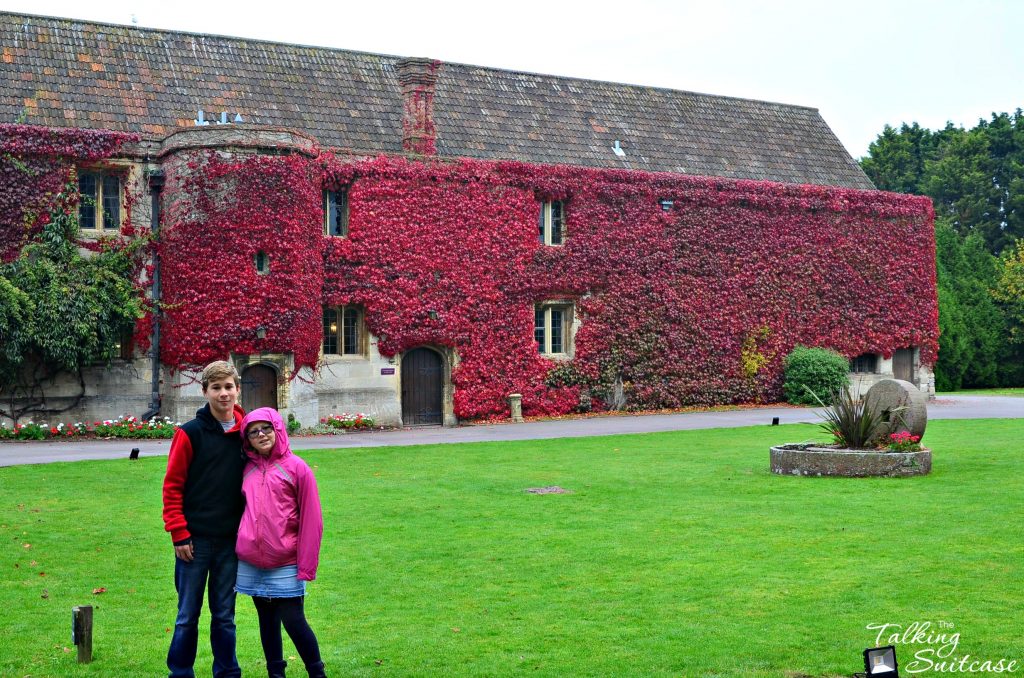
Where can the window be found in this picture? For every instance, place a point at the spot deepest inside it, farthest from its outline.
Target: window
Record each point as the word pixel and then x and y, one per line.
pixel 552 328
pixel 343 331
pixel 100 206
pixel 552 222
pixel 262 262
pixel 868 362
pixel 125 346
pixel 336 213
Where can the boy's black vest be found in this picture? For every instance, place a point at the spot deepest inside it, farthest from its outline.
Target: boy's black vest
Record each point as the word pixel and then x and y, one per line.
pixel 213 501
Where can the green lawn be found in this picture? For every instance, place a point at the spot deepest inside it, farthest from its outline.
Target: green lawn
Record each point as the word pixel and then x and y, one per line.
pixel 1018 392
pixel 675 554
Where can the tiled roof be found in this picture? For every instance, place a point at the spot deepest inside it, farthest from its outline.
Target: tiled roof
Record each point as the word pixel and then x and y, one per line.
pixel 72 73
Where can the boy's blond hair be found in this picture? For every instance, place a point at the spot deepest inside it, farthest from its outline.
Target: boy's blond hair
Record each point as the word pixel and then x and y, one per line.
pixel 220 369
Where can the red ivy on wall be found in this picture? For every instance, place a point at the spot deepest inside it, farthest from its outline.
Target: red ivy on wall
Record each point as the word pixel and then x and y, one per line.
pixel 218 215
pixel 447 254
pixel 35 166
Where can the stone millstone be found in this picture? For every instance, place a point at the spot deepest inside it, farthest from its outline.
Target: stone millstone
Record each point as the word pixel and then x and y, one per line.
pixel 903 406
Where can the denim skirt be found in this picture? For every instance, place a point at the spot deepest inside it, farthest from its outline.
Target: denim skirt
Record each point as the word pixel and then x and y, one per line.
pixel 279 582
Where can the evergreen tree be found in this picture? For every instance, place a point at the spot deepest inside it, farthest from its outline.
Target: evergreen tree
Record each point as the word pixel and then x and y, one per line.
pixel 972 328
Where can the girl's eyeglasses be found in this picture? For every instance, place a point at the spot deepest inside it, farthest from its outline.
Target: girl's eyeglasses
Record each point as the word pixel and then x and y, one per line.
pixel 262 430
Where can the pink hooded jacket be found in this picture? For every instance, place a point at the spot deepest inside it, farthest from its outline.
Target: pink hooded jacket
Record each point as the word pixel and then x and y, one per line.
pixel 282 524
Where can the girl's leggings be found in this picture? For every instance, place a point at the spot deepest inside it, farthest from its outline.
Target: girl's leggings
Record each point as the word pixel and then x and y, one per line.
pixel 273 612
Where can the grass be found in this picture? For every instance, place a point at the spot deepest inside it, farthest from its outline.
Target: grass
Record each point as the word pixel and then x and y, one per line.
pixel 676 554
pixel 1019 392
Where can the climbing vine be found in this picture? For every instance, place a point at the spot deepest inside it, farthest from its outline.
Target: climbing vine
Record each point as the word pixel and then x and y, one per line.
pixel 35 165
pixel 696 304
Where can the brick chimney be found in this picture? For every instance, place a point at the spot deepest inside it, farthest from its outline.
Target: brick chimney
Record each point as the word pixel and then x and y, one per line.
pixel 417 77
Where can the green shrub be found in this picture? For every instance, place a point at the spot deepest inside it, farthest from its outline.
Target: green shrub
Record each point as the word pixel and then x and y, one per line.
pixel 293 424
pixel 811 372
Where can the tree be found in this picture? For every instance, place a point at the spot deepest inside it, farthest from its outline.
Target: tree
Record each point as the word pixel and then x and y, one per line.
pixel 975 177
pixel 896 160
pixel 1009 289
pixel 61 310
pixel 972 328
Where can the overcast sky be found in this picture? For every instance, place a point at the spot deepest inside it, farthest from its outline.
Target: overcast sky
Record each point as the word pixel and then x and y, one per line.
pixel 862 63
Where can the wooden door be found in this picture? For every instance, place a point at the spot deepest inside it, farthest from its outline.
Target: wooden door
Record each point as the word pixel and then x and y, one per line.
pixel 422 384
pixel 903 365
pixel 259 387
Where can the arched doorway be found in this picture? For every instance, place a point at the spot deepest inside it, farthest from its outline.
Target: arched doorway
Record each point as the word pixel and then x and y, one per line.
pixel 259 387
pixel 422 387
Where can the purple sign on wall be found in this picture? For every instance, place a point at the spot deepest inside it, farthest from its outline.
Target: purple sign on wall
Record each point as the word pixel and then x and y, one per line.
pixel 387 370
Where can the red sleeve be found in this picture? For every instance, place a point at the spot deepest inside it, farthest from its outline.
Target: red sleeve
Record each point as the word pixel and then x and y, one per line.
pixel 178 462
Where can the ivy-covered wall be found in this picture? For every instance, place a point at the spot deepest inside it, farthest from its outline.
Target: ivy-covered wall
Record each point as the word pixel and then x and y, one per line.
pixel 35 166
pixel 695 305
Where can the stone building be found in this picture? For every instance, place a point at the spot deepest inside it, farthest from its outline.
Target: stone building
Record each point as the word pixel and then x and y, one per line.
pixel 191 96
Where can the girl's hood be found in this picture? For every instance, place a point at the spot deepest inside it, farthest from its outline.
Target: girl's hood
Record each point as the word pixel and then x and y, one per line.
pixel 281 446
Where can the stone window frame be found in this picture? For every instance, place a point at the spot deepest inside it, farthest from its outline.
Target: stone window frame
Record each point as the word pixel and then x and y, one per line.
pixel 341 350
pixel 544 324
pixel 336 210
pixel 97 203
pixel 551 223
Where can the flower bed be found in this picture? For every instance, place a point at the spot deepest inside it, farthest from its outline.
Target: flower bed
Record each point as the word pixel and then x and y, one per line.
pixel 122 427
pixel 348 422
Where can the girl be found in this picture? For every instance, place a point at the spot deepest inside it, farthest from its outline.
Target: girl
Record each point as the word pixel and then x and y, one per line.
pixel 279 539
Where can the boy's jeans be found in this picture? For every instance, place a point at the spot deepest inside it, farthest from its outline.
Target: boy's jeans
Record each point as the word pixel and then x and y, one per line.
pixel 214 558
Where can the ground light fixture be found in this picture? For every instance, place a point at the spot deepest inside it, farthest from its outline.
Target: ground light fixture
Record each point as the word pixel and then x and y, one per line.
pixel 880 662
pixel 261 332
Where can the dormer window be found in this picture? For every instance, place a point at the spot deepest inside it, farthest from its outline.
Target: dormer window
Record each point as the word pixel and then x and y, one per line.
pixel 99 208
pixel 552 222
pixel 336 213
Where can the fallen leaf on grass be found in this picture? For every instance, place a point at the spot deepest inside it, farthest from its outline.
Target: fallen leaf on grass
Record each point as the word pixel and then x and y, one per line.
pixel 378 662
pixel 456 629
pixel 26 546
pixel 98 591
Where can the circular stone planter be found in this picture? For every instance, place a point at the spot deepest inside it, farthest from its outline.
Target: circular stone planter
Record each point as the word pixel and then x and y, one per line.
pixel 804 459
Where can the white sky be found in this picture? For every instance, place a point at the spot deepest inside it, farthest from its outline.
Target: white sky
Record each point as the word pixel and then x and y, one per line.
pixel 863 63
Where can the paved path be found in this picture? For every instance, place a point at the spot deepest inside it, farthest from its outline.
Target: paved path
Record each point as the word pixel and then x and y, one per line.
pixel 960 407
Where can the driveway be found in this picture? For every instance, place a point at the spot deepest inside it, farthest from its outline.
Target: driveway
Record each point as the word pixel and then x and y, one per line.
pixel 959 407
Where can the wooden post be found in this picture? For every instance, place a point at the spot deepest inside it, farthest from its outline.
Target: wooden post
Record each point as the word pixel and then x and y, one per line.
pixel 81 620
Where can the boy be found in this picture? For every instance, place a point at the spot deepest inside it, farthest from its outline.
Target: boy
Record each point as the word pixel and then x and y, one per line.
pixel 202 509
